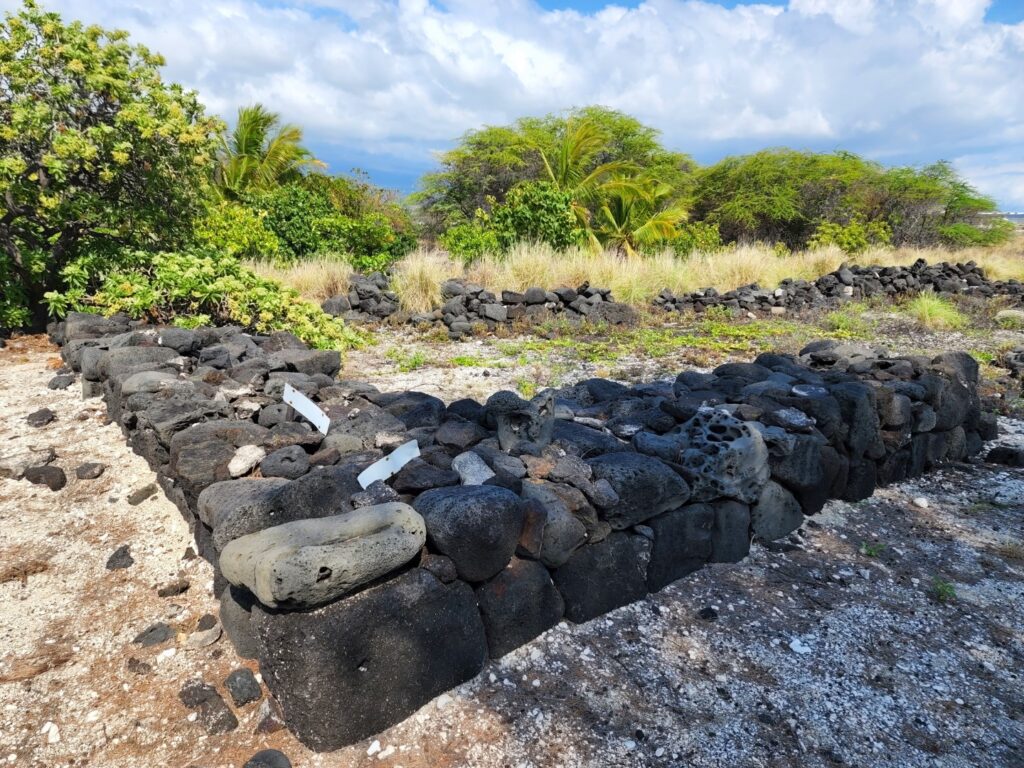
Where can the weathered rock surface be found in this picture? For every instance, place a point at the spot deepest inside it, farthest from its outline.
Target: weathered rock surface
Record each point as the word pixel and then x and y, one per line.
pixel 307 563
pixel 517 605
pixel 476 526
pixel 603 576
pixel 644 485
pixel 354 667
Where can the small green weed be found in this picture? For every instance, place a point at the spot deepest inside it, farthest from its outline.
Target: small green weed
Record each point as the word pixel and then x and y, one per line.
pixel 407 361
pixel 943 591
pixel 849 322
pixel 872 548
pixel 526 387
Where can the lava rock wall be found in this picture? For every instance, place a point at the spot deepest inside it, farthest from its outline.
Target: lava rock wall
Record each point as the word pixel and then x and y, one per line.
pixel 467 306
pixel 363 604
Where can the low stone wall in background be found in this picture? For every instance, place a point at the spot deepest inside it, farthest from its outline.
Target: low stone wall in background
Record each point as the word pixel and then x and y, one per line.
pixel 467 306
pixel 363 604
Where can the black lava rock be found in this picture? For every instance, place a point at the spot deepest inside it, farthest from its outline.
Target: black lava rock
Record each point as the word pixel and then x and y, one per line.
pixel 476 526
pixel 60 382
pixel 354 667
pixel 155 634
pixel 517 605
pixel 121 558
pixel 242 686
pixel 138 496
pixel 90 470
pixel 602 577
pixel 268 758
pixel 214 715
pixel 290 463
pixel 1010 456
pixel 50 476
pixel 40 418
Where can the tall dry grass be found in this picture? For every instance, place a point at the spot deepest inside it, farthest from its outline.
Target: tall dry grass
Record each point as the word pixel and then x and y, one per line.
pixel 417 278
pixel 316 279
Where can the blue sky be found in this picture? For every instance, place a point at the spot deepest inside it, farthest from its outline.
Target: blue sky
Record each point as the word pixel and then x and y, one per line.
pixel 385 84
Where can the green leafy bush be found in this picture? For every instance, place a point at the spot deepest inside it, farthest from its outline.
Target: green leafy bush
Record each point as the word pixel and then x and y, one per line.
pixel 470 240
pixel 963 235
pixel 306 223
pixel 536 211
pixel 699 236
pixel 198 287
pixel 853 238
pixel 95 149
pixel 371 242
pixel 302 220
pixel 236 230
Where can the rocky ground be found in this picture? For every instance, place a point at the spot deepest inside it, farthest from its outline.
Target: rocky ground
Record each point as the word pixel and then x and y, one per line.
pixel 884 633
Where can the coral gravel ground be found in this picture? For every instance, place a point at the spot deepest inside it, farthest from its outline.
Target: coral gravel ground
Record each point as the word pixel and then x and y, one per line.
pixel 883 633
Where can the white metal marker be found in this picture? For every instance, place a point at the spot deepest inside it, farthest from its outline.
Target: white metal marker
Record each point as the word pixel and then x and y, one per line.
pixel 389 465
pixel 307 408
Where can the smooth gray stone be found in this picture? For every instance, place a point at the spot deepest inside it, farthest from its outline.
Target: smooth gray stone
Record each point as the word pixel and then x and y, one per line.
pixel 472 469
pixel 307 563
pixel 148 381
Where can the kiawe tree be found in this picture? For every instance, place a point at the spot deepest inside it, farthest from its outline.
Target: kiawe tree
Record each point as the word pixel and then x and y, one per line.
pixel 97 153
pixel 260 154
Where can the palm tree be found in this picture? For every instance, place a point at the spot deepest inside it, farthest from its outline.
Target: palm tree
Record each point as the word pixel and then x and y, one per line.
pixel 637 212
pixel 570 166
pixel 260 153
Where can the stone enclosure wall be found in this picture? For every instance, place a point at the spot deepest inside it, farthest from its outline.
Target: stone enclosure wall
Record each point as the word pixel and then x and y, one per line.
pixel 363 604
pixel 466 305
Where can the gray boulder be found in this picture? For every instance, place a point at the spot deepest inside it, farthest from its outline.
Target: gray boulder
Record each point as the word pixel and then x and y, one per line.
pixel 353 668
pixel 517 605
pixel 235 508
pixel 289 462
pixel 645 486
pixel 476 526
pixel 682 544
pixel 723 457
pixel 520 422
pixel 730 533
pixel 776 514
pixel 604 576
pixel 472 469
pixel 563 533
pixel 307 563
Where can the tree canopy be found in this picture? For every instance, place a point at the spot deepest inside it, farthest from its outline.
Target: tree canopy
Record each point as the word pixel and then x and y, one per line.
pixel 96 151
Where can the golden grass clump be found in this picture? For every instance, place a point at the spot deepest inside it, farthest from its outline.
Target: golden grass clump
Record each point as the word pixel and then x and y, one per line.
pixel 417 279
pixel 316 279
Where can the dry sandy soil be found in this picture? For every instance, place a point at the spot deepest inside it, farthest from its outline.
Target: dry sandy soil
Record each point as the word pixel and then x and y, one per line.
pixel 882 633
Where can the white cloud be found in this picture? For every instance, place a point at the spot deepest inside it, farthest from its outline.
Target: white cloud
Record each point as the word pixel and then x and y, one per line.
pixel 921 79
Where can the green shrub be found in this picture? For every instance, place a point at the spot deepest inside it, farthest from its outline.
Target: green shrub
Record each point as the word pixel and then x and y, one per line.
pixel 197 287
pixel 536 211
pixel 302 220
pixel 95 149
pixel 853 238
pixel 371 243
pixel 964 235
pixel 236 230
pixel 470 240
pixel 698 236
pixel 306 223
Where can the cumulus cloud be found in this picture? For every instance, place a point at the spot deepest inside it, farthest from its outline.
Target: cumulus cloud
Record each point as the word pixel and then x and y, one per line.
pixel 901 80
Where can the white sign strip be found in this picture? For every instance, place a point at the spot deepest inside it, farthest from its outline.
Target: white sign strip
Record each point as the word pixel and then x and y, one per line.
pixel 307 408
pixel 389 465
